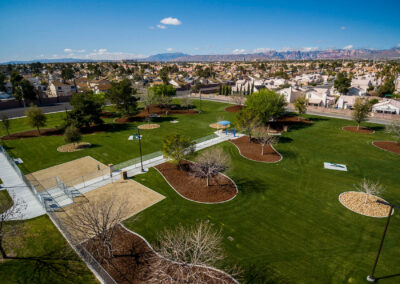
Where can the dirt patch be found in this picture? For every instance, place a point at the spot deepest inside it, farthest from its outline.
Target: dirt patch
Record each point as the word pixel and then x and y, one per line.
pixel 194 188
pixel 134 259
pixel 390 146
pixel 252 150
pixel 364 204
pixel 234 109
pixel 70 173
pixel 73 147
pixel 362 130
pixel 148 126
pixel 155 109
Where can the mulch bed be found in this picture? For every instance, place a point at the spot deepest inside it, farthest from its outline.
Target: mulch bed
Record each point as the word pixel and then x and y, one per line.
pixel 133 260
pixel 364 204
pixel 234 109
pixel 154 109
pixel 73 147
pixel 362 130
pixel 194 188
pixel 390 146
pixel 252 150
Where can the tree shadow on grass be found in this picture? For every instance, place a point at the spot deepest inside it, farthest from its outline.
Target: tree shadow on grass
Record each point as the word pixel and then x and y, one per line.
pixel 263 273
pixel 285 139
pixel 377 128
pixel 247 186
pixel 163 118
pixel 388 276
pixel 316 119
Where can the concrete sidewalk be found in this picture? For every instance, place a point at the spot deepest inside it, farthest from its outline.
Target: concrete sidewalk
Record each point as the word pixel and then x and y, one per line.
pixel 18 189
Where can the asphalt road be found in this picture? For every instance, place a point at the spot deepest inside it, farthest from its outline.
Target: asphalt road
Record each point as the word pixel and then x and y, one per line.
pixel 20 111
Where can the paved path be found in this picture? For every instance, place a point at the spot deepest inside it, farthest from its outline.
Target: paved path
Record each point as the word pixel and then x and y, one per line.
pixel 17 188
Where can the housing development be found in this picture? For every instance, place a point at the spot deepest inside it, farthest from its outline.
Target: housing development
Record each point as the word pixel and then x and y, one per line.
pixel 257 165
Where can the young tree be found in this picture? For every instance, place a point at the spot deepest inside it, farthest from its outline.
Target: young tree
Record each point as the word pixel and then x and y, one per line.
pixel 148 98
pixel 369 188
pixel 164 75
pixel 87 110
pixel 186 102
pixel 176 147
pixel 266 105
pixel 122 95
pixel 361 110
pixel 394 129
pixel 246 121
pixel 300 104
pixel 238 99
pixel 188 248
pixel 342 83
pixel 210 163
pixel 6 123
pixel 72 135
pixel 264 137
pixel 36 118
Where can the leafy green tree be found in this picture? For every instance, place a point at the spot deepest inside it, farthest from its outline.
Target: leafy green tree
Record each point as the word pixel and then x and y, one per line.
pixel 15 79
pixel 300 104
pixel 164 75
pixel 388 86
pixel 6 123
pixel 342 83
pixel 176 147
pixel 67 73
pixel 246 121
pixel 266 105
pixel 86 110
pixel 361 110
pixel 35 117
pixel 2 82
pixel 122 95
pixel 72 135
pixel 163 90
pixel 25 90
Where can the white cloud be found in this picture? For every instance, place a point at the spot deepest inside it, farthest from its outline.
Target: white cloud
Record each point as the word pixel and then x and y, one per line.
pixel 343 28
pixel 262 49
pixel 314 48
pixel 170 49
pixel 171 21
pixel 161 27
pixel 196 48
pixel 348 47
pixel 239 51
pixel 398 45
pixel 69 50
pixel 310 48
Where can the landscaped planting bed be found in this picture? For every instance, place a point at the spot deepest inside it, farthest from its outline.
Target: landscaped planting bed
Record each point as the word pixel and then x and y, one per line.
pixel 390 146
pixel 362 130
pixel 364 204
pixel 252 150
pixel 73 147
pixel 234 109
pixel 221 188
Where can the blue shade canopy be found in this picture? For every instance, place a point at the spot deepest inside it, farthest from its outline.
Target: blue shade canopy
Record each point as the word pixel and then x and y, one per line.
pixel 223 122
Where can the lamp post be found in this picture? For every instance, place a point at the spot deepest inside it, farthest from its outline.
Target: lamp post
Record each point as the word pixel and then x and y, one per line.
pixel 140 149
pixel 200 100
pixel 371 277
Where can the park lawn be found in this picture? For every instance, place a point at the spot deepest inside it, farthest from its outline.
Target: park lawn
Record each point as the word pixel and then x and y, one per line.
pixel 286 222
pixel 57 262
pixel 5 200
pixel 113 146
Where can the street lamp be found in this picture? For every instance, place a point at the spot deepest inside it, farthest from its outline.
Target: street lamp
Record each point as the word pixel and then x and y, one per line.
pixel 140 149
pixel 371 277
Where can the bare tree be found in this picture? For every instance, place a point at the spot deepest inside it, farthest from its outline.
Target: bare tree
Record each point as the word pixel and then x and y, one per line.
pixel 238 99
pixel 186 102
pixel 369 188
pixel 210 163
pixel 97 220
pixel 188 255
pixel 147 98
pixel 394 129
pixel 10 210
pixel 264 137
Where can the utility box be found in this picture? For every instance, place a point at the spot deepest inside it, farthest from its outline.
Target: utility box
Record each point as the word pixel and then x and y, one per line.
pixel 124 175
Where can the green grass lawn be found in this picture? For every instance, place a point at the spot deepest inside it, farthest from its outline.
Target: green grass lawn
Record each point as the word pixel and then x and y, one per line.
pixel 5 200
pixel 286 222
pixel 55 261
pixel 110 146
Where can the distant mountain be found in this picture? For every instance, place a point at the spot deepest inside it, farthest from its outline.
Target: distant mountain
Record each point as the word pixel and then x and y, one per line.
pixel 170 56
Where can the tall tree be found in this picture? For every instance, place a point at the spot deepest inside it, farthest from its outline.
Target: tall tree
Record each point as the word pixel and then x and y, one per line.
pixel 164 75
pixel 246 121
pixel 342 83
pixel 361 110
pixel 122 95
pixel 36 118
pixel 176 147
pixel 266 105
pixel 25 90
pixel 86 110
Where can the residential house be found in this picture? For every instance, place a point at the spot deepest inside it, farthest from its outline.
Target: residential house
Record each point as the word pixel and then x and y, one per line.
pixel 60 89
pixel 389 106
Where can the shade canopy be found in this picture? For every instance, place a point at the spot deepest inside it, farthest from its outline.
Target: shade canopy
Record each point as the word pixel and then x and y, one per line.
pixel 224 122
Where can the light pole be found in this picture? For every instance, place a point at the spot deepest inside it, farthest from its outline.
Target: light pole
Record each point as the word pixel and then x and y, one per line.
pixel 371 277
pixel 140 149
pixel 200 101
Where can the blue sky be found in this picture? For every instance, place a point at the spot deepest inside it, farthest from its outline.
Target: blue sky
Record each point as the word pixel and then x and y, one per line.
pixel 127 29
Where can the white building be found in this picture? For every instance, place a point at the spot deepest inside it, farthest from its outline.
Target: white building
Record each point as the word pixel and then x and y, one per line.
pixel 389 106
pixel 290 94
pixel 319 97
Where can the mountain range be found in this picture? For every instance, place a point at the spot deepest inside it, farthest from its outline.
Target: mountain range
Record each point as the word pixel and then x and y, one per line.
pixel 392 53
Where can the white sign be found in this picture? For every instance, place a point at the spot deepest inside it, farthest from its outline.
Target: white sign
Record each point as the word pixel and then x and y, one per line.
pixel 337 167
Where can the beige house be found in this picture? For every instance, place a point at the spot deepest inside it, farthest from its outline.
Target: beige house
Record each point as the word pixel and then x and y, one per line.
pixel 60 89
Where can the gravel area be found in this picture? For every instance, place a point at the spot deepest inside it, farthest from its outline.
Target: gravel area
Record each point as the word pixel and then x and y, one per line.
pixel 73 147
pixel 149 126
pixel 364 204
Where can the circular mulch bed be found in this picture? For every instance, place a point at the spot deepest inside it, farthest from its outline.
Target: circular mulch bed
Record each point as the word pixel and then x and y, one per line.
pixel 149 126
pixel 362 130
pixel 234 109
pixel 361 203
pixel 73 147
pixel 390 146
pixel 221 187
pixel 252 150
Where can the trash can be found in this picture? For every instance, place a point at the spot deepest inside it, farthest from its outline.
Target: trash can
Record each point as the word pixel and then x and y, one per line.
pixel 124 175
